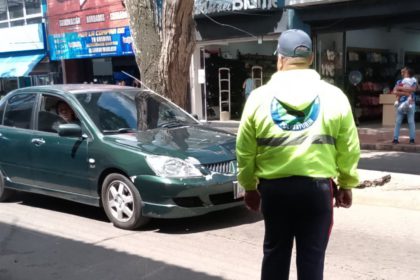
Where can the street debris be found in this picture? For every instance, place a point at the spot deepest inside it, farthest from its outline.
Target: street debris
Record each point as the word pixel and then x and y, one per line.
pixel 374 183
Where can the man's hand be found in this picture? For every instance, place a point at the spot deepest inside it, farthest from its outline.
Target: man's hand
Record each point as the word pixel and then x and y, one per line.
pixel 252 200
pixel 344 198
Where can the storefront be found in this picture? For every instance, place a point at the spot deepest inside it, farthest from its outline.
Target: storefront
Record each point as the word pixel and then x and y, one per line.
pixel 92 40
pixel 23 60
pixel 236 40
pixel 362 45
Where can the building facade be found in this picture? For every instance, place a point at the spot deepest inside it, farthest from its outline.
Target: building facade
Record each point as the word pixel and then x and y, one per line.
pixel 92 40
pixel 236 40
pixel 361 45
pixel 23 48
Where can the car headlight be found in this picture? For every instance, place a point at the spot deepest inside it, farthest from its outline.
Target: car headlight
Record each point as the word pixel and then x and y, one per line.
pixel 170 167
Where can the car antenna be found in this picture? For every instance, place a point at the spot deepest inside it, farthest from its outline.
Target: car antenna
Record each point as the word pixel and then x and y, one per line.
pixel 143 84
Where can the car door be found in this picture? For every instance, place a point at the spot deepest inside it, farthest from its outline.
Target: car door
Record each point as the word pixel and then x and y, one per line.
pixel 59 163
pixel 15 138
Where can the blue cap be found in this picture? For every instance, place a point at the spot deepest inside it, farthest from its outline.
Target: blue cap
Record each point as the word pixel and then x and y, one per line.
pixel 294 43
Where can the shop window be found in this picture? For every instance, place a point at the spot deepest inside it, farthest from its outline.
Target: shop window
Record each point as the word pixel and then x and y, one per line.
pixel 34 20
pixel 15 8
pixel 9 84
pixel 377 67
pixel 16 11
pixel 3 9
pixel 32 7
pixel 17 23
pixel 330 57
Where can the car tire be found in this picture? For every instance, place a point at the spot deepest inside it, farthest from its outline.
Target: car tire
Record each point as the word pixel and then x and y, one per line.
pixel 122 202
pixel 5 194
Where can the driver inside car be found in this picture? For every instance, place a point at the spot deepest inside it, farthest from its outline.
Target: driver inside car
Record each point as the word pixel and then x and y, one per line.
pixel 65 113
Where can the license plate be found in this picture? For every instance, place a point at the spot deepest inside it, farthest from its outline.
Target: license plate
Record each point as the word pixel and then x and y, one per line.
pixel 238 190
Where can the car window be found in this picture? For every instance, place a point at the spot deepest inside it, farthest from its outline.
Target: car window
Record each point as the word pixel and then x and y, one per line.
pixel 115 112
pixel 18 111
pixel 49 117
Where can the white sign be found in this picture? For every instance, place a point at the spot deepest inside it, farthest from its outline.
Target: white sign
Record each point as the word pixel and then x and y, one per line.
pixel 95 18
pixel 218 6
pixel 22 38
pixel 311 2
pixel 201 76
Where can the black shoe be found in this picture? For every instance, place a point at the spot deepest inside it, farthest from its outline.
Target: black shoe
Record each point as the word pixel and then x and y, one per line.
pixel 395 141
pixel 412 141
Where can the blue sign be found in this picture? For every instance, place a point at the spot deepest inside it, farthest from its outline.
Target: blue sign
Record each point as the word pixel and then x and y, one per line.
pixel 89 44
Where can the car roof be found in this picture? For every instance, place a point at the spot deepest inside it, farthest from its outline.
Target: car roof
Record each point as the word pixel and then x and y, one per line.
pixel 77 88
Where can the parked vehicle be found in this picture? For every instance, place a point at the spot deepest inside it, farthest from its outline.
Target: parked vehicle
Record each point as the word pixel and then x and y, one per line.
pixel 174 167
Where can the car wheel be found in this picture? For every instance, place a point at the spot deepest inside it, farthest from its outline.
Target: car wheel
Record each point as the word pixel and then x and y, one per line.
pixel 122 202
pixel 5 194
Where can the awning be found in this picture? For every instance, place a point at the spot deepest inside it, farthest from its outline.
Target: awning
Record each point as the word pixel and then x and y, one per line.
pixel 18 66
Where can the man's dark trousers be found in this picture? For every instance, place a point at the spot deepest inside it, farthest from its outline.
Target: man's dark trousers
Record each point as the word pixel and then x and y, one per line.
pixel 299 208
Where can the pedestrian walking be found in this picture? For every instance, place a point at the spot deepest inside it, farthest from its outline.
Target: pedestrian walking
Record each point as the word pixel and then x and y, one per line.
pixel 290 144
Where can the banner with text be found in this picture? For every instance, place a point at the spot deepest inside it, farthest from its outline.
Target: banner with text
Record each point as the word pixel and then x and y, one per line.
pixel 90 44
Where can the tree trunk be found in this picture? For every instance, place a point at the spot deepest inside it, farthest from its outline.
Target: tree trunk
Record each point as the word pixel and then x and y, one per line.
pixel 146 40
pixel 178 42
pixel 163 56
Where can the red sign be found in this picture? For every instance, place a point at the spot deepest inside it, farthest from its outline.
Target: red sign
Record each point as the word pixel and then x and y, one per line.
pixel 83 15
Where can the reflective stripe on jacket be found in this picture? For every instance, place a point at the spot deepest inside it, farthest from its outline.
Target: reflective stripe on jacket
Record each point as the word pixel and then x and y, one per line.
pixel 297 125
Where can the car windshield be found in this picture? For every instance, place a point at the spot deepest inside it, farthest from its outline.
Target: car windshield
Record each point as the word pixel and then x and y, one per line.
pixel 115 112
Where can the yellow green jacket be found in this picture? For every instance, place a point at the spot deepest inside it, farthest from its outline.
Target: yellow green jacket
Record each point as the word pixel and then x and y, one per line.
pixel 297 124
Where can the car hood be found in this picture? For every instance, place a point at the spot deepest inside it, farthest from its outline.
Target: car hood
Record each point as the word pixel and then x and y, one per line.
pixel 203 143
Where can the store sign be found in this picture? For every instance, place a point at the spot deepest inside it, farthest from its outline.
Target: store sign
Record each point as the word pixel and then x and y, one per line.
pixel 229 6
pixel 89 44
pixel 85 15
pixel 312 2
pixel 22 38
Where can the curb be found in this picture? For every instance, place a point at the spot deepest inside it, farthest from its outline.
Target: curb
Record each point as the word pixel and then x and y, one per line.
pixel 391 147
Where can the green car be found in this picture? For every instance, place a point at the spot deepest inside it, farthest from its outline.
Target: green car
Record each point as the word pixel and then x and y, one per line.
pixel 82 143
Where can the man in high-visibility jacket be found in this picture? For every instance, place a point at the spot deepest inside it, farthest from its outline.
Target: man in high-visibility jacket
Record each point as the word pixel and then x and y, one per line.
pixel 296 135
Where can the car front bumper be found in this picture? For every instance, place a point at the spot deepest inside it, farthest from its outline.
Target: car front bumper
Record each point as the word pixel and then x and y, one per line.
pixel 178 198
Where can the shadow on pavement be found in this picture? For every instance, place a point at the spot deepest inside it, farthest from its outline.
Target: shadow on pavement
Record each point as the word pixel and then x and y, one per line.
pixel 60 205
pixel 28 254
pixel 216 220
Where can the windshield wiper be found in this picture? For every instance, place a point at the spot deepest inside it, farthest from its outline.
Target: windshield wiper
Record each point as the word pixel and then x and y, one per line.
pixel 119 131
pixel 172 123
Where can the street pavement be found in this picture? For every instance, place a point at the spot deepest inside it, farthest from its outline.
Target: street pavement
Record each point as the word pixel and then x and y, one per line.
pixel 47 238
pixel 377 238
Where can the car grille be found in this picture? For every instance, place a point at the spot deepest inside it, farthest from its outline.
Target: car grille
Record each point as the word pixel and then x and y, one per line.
pixel 226 167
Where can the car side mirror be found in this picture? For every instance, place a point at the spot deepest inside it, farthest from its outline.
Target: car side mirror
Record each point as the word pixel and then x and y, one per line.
pixel 70 130
pixel 195 116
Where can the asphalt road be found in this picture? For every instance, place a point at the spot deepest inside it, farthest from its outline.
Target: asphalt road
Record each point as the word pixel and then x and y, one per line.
pixel 46 238
pixel 399 162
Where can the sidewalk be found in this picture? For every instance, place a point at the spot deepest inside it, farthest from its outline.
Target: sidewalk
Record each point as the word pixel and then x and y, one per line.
pixel 377 137
pixel 372 136
pixel 403 191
